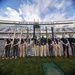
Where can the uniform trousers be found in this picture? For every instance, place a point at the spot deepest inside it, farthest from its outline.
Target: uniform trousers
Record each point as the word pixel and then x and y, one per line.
pixel 51 50
pixel 22 50
pixel 15 51
pixel 43 50
pixel 73 49
pixel 66 51
pixel 57 50
pixel 7 51
pixel 36 50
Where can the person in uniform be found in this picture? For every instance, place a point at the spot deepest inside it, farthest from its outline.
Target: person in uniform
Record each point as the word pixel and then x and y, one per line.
pixel 31 45
pixel 73 47
pixel 65 44
pixel 7 47
pixel 36 47
pixel 50 45
pixel 43 46
pixel 15 47
pixel 28 40
pixel 71 41
pixel 57 46
pixel 22 46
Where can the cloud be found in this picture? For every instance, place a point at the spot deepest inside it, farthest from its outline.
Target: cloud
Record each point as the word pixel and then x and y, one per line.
pixel 30 11
pixel 43 7
pixel 55 17
pixel 44 10
pixel 11 14
pixel 63 4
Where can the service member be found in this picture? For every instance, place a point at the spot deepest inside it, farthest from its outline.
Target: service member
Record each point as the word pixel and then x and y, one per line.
pixel 57 46
pixel 7 47
pixel 73 47
pixel 50 44
pixel 43 46
pixel 36 47
pixel 28 40
pixel 71 41
pixel 15 47
pixel 65 44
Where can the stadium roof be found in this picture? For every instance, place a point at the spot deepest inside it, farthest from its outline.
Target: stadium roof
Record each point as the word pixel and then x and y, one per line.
pixel 40 23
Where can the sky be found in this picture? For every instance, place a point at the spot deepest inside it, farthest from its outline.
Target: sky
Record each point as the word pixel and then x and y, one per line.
pixel 44 10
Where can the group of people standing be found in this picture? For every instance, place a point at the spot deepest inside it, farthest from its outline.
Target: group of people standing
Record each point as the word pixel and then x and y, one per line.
pixel 42 47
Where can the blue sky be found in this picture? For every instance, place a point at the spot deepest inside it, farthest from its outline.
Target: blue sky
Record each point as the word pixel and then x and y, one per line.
pixel 44 10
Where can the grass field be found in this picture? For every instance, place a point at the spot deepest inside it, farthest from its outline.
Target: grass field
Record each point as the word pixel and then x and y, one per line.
pixel 33 66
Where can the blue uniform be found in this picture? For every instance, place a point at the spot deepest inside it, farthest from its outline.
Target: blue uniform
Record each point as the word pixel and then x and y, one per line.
pixel 50 47
pixel 43 41
pixel 7 51
pixel 15 48
pixel 65 48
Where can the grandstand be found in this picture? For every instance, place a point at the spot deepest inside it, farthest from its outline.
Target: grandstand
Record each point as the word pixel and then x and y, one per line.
pixel 7 27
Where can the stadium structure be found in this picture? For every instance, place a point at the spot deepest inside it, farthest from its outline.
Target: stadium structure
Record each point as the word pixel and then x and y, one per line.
pixel 59 27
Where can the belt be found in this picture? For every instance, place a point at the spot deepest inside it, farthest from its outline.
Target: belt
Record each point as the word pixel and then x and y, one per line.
pixel 44 44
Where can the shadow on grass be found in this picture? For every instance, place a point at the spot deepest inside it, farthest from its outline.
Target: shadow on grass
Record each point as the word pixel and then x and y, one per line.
pixel 2 72
pixel 72 72
pixel 5 71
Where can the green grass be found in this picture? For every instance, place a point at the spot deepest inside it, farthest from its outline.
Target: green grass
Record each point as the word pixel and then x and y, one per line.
pixel 33 66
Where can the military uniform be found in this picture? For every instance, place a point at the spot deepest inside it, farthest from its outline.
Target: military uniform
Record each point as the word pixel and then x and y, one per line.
pixel 65 44
pixel 72 41
pixel 43 47
pixel 50 47
pixel 36 47
pixel 28 47
pixel 7 47
pixel 57 47
pixel 72 44
pixel 15 47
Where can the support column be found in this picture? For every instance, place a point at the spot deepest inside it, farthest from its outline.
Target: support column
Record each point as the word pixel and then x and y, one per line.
pixel 52 33
pixel 36 25
pixel 33 31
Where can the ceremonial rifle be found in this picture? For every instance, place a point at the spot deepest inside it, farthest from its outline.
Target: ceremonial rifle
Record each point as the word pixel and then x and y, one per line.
pixel 39 39
pixel 46 35
pixel 20 36
pixel 13 36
